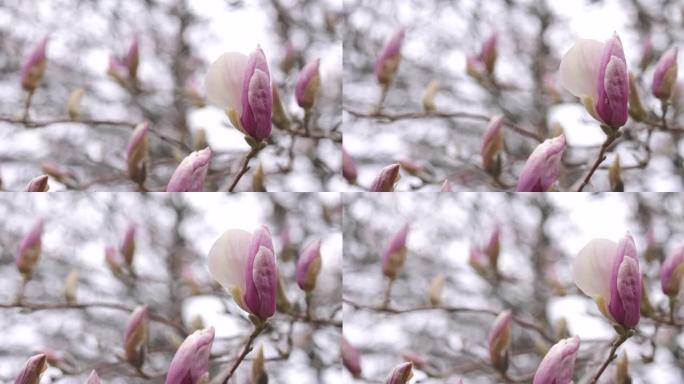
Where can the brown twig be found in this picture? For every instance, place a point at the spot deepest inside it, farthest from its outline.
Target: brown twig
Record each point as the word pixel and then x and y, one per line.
pixel 611 356
pixel 245 350
pixel 599 159
pixel 244 167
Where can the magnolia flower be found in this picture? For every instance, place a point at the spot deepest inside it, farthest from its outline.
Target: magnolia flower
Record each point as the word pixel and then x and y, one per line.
pixel 308 83
pixel 597 74
pixel 401 374
pixel 394 254
pixel 135 336
pixel 348 167
pixel 542 167
pixel 34 67
pixel 446 187
pixel 492 144
pixel 244 264
pixel 671 273
pixel 665 75
pixel 559 363
pixel 190 364
pixel 499 340
pixel 191 172
pixel 308 267
pixel 128 244
pixel 609 273
pixel 38 184
pixel 351 358
pixel 242 85
pixel 32 370
pixel 387 64
pixel 29 249
pixel 93 378
pixel 387 179
pixel 136 152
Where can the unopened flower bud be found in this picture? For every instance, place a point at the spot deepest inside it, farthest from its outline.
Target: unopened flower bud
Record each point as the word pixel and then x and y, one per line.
pixel 38 184
pixel 645 307
pixel 73 105
pixel 136 153
pixel 665 75
pixel 559 363
pixel 29 249
pixel 474 68
pixel 494 247
pixel 435 290
pixel 636 109
pixel 118 71
pixel 282 302
pixel 387 64
pixel 279 117
pixel 351 358
pixel 128 244
pixel 614 177
pixel 192 93
pixel 258 179
pixel 258 373
pixel 34 67
pixel 478 260
pixel 542 168
pixel 93 378
pixel 492 144
pixel 308 83
pixel 394 254
pixel 417 360
pixel 55 171
pixel 411 167
pixel 135 336
pixel 191 172
pixel 70 284
pixel 289 58
pixel 309 266
pixel 133 59
pixel 386 180
pixel 190 364
pixel 348 167
pixel 446 187
pixel 33 369
pixel 499 340
pixel 671 273
pixel 401 374
pixel 488 54
pixel 429 97
pixel 113 259
pixel 646 53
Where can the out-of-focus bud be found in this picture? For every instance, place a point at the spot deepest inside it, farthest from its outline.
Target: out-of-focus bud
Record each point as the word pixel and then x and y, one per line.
pixel 289 58
pixel 192 93
pixel 478 260
pixel 560 328
pixel 386 180
pixel 494 247
pixel 645 306
pixel 492 144
pixel 70 285
pixel 348 167
pixel 446 187
pixel 33 369
pixel 488 55
pixel 429 97
pixel 282 302
pixel 622 369
pixel 646 53
pixel 435 290
pixel 118 71
pixel 411 167
pixel 474 68
pixel 258 374
pixel 636 109
pixel 309 266
pixel 199 139
pixel 190 364
pixel 614 177
pixel 29 249
pixel 551 278
pixel 394 254
pixel 551 88
pixel 191 172
pixel 128 244
pixel 559 363
pixel 387 64
pixel 279 117
pixel 499 340
pixel 652 251
pixel 136 153
pixel 34 67
pixel 73 105
pixel 258 179
pixel 417 360
pixel 135 336
pixel 113 260
pixel 307 85
pixel 38 184
pixel 55 171
pixel 93 378
pixel 133 59
pixel 665 75
pixel 401 374
pixel 543 167
pixel 671 273
pixel 351 358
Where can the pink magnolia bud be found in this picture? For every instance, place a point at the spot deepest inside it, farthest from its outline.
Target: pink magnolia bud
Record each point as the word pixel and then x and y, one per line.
pixel 135 336
pixel 308 83
pixel 446 187
pixel 29 249
pixel 351 358
pixel 93 378
pixel 190 174
pixel 387 64
pixel 309 266
pixel 488 53
pixel 348 167
pixel 671 273
pixel 32 370
pixel 118 70
pixel 34 67
pixel 132 59
pixel 499 340
pixel 401 374
pixel 394 254
pixel 113 259
pixel 38 184
pixel 190 364
pixel 542 167
pixel 646 53
pixel 477 260
pixel 136 152
pixel 386 180
pixel 128 244
pixel 492 144
pixel 494 246
pixel 665 75
pixel 559 363
pixel 261 275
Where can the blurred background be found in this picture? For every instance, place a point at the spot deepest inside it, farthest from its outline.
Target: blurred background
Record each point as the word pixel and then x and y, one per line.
pixel 533 35
pixel 178 39
pixel 173 237
pixel 540 236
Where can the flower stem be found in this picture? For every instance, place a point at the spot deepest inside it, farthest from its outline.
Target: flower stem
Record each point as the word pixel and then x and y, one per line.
pixel 245 350
pixel 612 355
pixel 244 167
pixel 610 138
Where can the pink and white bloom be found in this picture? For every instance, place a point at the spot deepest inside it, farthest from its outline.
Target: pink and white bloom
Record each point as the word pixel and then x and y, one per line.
pixel 387 64
pixel 309 266
pixel 307 85
pixel 499 340
pixel 245 265
pixel 401 374
pixel 609 273
pixel 135 335
pixel 351 358
pixel 136 152
pixel 38 184
pixel 34 67
pixel 492 144
pixel 394 254
pixel 559 363
pixel 597 74
pixel 386 180
pixel 29 249
pixel 665 75
pixel 190 174
pixel 242 85
pixel 93 378
pixel 190 364
pixel 671 273
pixel 33 369
pixel 542 168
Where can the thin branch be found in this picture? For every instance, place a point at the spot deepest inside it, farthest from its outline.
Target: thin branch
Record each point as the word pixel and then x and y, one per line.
pixel 611 356
pixel 245 350
pixel 244 167
pixel 599 159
